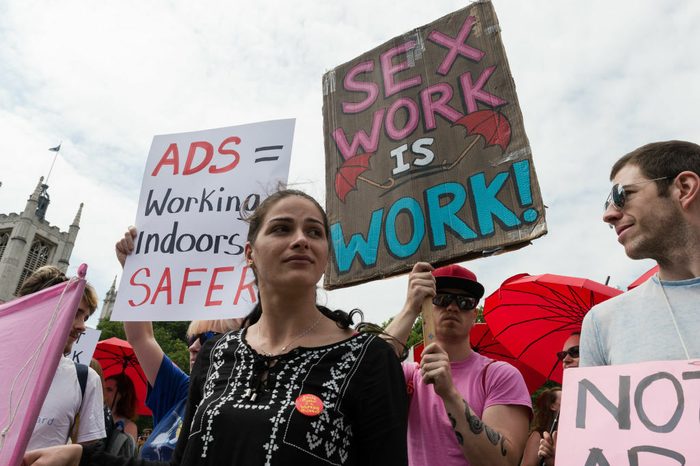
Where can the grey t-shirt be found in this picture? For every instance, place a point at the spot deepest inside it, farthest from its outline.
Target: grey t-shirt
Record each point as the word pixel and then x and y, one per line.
pixel 636 326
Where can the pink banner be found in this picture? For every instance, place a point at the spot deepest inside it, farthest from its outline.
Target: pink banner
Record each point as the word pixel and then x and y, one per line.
pixel 635 414
pixel 33 332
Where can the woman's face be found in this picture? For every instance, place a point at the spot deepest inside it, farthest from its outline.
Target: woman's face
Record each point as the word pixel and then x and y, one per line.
pixel 557 401
pixel 291 248
pixel 110 391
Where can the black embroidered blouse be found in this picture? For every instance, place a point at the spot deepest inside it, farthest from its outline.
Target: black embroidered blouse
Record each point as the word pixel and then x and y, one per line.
pixel 340 404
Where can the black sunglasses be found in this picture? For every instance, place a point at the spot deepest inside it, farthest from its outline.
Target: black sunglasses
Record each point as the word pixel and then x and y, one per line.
pixel 573 352
pixel 464 303
pixel 202 337
pixel 618 195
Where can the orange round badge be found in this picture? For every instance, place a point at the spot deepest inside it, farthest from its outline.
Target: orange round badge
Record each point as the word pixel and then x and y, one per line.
pixel 309 405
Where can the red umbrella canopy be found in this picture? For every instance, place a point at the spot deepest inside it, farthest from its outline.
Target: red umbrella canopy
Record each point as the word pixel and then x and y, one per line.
pixel 533 315
pixel 646 276
pixel 116 356
pixel 483 342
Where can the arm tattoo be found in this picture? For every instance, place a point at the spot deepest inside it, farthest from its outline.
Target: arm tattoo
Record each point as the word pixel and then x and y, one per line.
pixel 492 435
pixel 476 425
pixel 453 421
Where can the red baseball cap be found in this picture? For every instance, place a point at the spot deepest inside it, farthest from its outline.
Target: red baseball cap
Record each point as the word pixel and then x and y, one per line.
pixel 456 276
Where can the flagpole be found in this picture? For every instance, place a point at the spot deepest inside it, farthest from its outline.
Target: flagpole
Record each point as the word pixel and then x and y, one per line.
pixel 58 149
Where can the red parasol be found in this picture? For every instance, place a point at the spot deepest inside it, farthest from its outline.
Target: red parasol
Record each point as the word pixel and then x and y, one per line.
pixel 492 126
pixel 348 174
pixel 483 342
pixel 116 356
pixel 532 316
pixel 645 276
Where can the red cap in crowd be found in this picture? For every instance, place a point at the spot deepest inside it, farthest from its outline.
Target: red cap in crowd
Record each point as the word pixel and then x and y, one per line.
pixel 458 277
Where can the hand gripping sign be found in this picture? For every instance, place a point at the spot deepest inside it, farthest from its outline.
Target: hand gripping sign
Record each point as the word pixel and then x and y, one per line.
pixel 197 190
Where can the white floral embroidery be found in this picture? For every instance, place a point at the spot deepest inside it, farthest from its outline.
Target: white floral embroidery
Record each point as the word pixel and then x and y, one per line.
pixel 328 436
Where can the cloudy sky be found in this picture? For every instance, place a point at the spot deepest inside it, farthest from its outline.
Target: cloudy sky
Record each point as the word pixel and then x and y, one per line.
pixel 595 80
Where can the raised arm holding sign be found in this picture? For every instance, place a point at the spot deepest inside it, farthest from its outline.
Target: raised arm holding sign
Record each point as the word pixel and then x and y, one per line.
pixel 426 153
pixel 427 162
pixel 456 393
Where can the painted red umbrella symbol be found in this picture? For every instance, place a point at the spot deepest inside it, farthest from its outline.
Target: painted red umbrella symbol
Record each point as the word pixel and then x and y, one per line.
pixel 351 171
pixel 645 276
pixel 532 316
pixel 490 125
pixel 483 342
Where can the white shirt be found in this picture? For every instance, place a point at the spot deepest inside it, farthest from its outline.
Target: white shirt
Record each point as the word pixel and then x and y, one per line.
pixel 62 403
pixel 636 326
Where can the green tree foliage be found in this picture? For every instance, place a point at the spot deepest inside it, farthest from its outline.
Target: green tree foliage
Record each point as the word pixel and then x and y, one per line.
pixel 169 335
pixel 171 338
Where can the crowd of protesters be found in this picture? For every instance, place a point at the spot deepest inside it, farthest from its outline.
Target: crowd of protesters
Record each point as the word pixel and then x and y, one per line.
pixel 297 383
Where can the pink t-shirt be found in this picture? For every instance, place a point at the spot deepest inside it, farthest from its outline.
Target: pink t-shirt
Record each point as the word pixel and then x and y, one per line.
pixel 431 440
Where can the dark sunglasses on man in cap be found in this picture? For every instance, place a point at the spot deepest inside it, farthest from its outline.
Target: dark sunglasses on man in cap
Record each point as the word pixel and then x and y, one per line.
pixel 464 303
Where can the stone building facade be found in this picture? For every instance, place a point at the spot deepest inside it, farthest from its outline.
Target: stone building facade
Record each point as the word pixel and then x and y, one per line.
pixel 28 241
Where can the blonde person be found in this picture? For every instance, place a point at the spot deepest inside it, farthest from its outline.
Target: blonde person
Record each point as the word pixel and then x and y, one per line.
pixel 298 386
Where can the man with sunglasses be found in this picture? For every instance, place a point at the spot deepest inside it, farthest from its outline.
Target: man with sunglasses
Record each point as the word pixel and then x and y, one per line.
pixel 465 409
pixel 654 209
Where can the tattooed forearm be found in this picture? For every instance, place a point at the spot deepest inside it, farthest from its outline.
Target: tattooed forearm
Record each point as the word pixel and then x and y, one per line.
pixel 475 424
pixel 492 435
pixel 453 421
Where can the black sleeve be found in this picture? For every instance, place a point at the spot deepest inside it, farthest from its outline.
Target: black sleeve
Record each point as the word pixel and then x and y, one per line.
pixel 381 408
pixel 93 456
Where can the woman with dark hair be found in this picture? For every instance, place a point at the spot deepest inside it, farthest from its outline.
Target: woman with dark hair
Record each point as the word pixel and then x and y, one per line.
pixel 120 397
pixel 296 385
pixel 546 407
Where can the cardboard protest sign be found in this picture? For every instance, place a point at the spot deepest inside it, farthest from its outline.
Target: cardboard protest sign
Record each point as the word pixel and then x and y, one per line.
pixel 633 414
pixel 33 330
pixel 197 190
pixel 426 153
pixel 84 346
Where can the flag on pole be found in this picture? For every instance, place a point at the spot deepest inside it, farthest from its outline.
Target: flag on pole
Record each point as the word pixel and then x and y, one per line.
pixel 55 149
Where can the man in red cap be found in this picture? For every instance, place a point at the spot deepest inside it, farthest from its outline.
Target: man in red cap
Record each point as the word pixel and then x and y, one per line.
pixel 465 409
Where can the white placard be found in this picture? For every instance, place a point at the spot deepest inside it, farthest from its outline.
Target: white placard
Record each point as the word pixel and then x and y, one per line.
pixel 197 189
pixel 84 346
